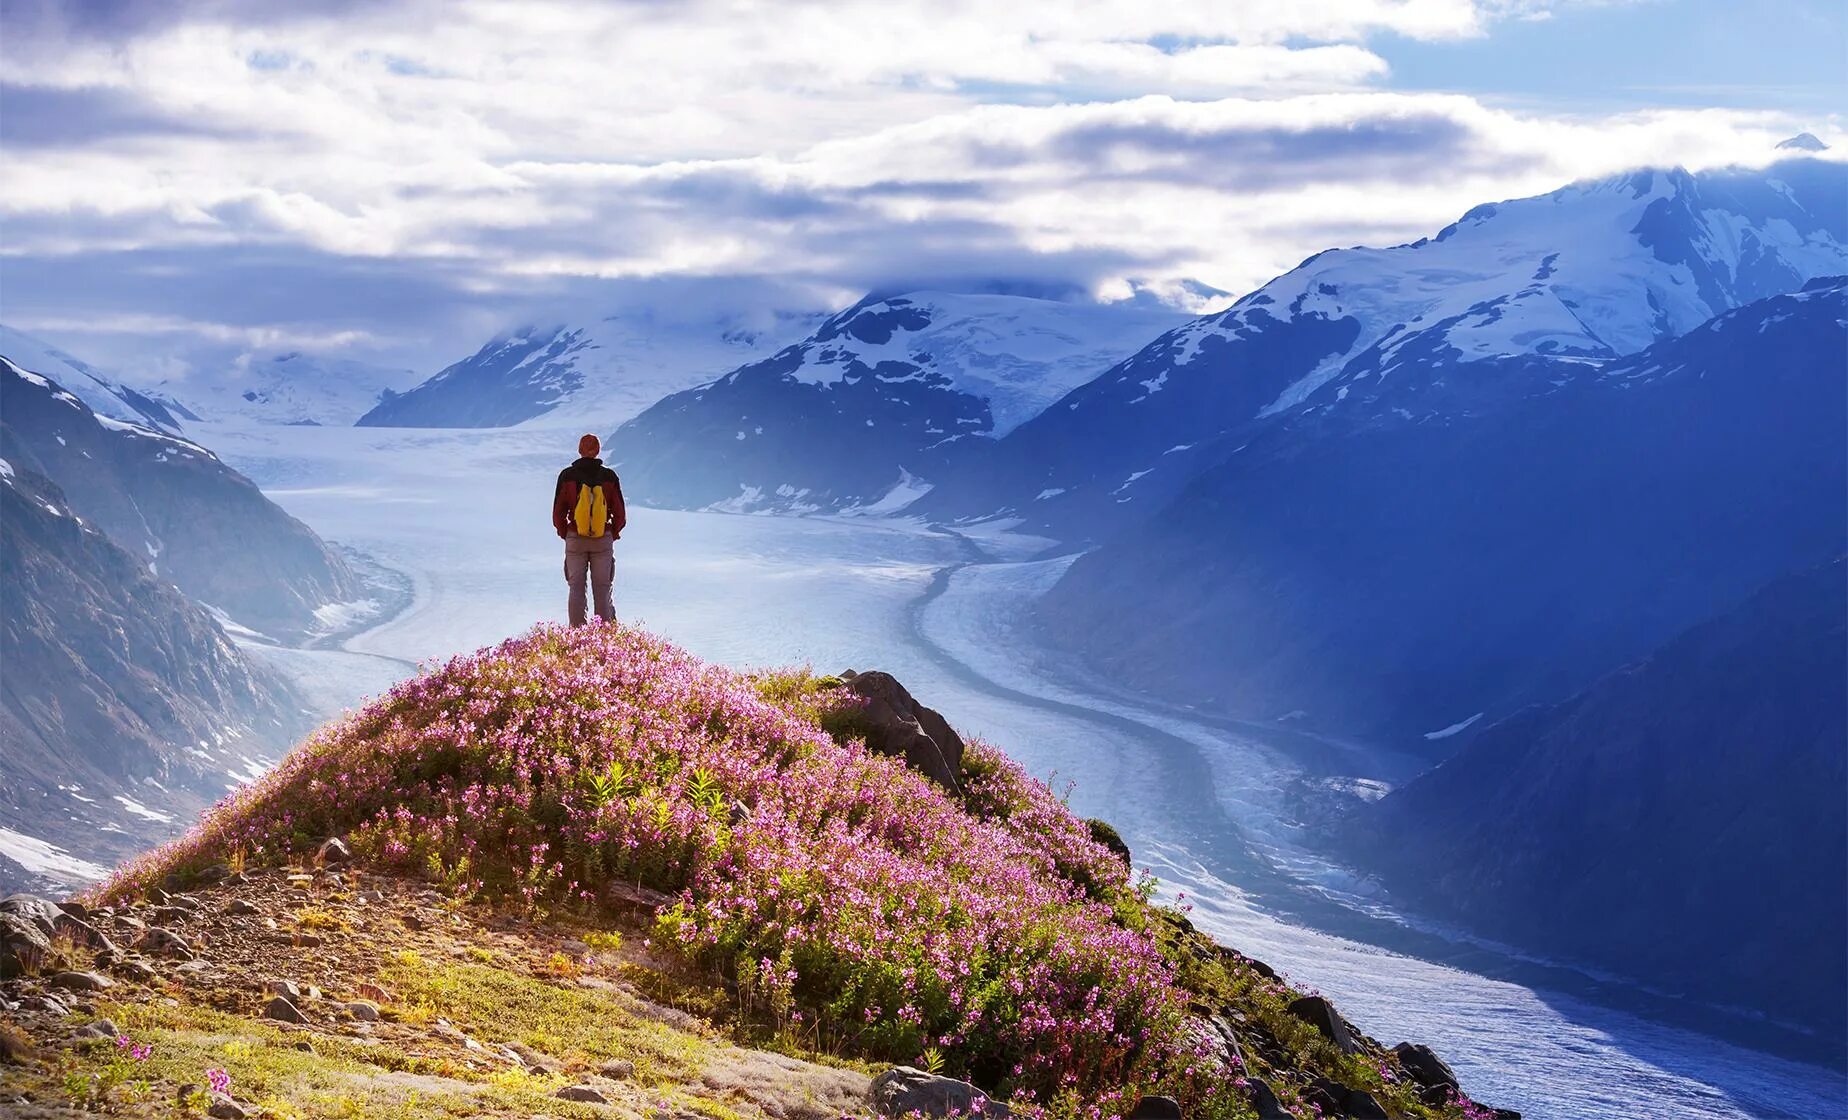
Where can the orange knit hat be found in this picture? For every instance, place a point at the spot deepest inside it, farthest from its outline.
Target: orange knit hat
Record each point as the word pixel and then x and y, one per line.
pixel 589 446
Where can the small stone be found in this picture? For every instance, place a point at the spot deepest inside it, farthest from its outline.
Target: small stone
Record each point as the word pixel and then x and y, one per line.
pixel 136 970
pixel 82 981
pixel 214 873
pixel 334 850
pixel 309 940
pixel 581 1093
pixel 576 948
pixel 240 906
pixel 165 943
pixel 282 1009
pixel 75 909
pixel 364 1010
pixel 617 1069
pixel 371 991
pixel 224 1108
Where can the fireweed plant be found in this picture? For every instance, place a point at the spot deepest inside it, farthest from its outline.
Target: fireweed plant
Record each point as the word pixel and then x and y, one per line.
pixel 849 894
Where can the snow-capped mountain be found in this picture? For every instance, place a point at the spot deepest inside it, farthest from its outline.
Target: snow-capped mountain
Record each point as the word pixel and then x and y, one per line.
pixel 1591 272
pixel 291 388
pixel 102 393
pixel 863 411
pixel 592 375
pixel 1409 576
pixel 173 505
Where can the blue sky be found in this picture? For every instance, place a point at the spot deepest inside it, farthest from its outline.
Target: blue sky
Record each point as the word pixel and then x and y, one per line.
pixel 191 182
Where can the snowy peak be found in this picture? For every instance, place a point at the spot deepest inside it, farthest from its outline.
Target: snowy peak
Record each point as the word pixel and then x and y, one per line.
pixel 587 375
pixel 289 388
pixel 1016 354
pixel 1802 142
pixel 99 392
pixel 864 412
pixel 1589 273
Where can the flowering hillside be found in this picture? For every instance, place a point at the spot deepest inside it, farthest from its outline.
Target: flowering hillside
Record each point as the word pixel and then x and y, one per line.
pixel 859 906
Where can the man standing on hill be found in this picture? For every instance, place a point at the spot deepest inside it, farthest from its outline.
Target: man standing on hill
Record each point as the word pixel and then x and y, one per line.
pixel 588 513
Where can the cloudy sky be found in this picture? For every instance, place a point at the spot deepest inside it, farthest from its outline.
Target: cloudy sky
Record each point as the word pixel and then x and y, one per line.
pixel 187 180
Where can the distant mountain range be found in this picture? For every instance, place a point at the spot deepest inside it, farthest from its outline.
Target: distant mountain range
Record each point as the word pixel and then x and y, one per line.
pixel 289 388
pixel 880 396
pixel 593 375
pixel 1680 820
pixel 1589 273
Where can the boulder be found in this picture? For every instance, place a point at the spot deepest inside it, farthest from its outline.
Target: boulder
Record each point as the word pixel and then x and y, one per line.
pixel 85 934
pixel 22 945
pixel 364 1010
pixel 907 1091
pixel 1106 834
pixel 1264 1101
pixel 281 1009
pixel 617 1069
pixel 40 912
pixel 224 1108
pixel 333 850
pixel 165 943
pixel 81 981
pixel 1425 1067
pixel 581 1093
pixel 1321 1014
pixel 136 970
pixel 1361 1105
pixel 900 727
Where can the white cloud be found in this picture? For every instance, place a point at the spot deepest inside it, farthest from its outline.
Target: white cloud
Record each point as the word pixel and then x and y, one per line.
pixel 503 146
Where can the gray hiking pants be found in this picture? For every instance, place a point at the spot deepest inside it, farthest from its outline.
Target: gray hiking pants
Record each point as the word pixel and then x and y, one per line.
pixel 594 557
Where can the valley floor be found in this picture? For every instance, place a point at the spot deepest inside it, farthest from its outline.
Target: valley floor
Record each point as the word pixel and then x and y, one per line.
pixel 1212 808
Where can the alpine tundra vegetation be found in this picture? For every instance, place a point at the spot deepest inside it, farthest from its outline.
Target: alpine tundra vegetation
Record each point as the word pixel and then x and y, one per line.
pixel 727 844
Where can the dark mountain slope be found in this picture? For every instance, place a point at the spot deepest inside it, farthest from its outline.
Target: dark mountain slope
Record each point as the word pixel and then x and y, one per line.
pixel 1682 820
pixel 115 685
pixel 174 506
pixel 1395 570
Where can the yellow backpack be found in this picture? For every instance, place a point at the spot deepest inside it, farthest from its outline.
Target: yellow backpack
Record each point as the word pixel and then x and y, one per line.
pixel 592 514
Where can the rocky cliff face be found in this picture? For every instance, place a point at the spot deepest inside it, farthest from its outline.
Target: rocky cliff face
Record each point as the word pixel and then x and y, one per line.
pixel 124 708
pixel 174 506
pixel 1678 821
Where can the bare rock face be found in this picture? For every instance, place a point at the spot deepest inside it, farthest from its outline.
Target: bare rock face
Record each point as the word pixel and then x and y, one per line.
pixel 900 727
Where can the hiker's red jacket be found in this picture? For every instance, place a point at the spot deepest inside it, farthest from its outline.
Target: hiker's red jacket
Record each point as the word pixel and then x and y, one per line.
pixel 587 472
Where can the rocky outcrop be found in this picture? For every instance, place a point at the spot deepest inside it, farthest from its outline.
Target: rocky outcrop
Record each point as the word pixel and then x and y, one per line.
pixel 897 725
pixel 908 1091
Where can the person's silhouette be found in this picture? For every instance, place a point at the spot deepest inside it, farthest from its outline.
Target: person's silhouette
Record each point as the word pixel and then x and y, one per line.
pixel 588 513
